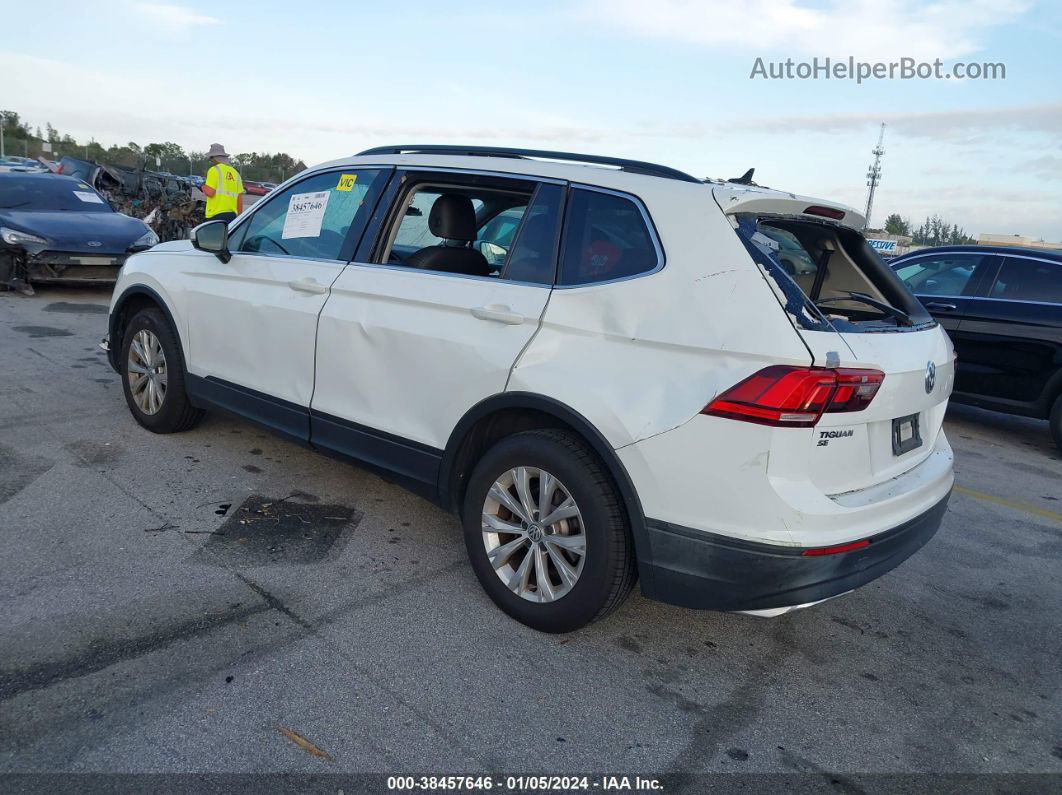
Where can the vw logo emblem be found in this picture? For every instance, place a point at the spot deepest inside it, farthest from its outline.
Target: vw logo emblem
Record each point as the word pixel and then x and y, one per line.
pixel 94 243
pixel 931 376
pixel 534 532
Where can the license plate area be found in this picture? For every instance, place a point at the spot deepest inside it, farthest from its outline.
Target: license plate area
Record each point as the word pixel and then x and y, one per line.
pixel 94 260
pixel 905 434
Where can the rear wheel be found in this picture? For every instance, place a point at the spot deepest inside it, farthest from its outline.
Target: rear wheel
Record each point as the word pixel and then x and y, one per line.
pixel 153 376
pixel 1056 421
pixel 546 532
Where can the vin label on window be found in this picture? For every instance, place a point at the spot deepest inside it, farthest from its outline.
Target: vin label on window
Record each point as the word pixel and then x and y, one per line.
pixel 905 434
pixel 305 214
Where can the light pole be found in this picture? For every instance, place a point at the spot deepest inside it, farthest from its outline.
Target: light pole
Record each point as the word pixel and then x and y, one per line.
pixel 1 135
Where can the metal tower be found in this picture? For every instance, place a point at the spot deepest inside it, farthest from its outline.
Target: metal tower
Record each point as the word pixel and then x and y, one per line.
pixel 874 174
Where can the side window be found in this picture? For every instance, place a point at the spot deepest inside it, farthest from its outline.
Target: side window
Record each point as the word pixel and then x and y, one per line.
pixel 947 275
pixel 501 229
pixel 532 256
pixel 1029 280
pixel 312 217
pixel 413 231
pixel 465 229
pixel 606 237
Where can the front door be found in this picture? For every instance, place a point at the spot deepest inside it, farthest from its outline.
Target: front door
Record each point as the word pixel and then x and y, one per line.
pixel 428 326
pixel 252 322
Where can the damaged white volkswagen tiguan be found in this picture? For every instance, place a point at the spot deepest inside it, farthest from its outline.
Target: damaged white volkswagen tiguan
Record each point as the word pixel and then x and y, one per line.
pixel 611 370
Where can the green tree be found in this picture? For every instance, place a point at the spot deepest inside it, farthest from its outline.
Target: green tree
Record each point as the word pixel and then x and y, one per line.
pixel 269 167
pixel 13 125
pixel 168 150
pixel 265 166
pixel 895 225
pixel 94 151
pixel 935 231
pixel 170 157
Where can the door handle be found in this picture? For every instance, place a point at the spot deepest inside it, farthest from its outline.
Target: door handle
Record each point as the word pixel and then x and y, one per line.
pixel 499 313
pixel 308 285
pixel 939 306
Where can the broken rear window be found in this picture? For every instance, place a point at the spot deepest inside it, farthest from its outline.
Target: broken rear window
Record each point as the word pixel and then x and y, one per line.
pixel 828 277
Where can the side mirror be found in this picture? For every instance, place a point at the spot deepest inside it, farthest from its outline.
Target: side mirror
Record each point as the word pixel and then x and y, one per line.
pixel 213 236
pixel 492 252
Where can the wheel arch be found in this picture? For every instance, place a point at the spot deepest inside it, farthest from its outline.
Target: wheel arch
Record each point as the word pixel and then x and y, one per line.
pixel 511 412
pixel 132 300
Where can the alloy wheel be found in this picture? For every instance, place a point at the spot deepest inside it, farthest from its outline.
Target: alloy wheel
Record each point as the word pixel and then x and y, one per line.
pixel 533 533
pixel 146 371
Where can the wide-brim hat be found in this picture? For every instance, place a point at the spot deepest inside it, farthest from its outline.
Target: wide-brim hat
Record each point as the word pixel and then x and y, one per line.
pixel 217 150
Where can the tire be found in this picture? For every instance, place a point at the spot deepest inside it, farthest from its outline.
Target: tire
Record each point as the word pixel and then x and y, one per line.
pixel 605 570
pixel 169 411
pixel 1056 421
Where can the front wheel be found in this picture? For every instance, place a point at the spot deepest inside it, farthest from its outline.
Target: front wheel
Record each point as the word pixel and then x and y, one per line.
pixel 153 376
pixel 546 532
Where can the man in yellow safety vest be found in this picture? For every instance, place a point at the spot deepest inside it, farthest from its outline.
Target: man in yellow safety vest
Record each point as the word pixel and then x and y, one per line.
pixel 223 187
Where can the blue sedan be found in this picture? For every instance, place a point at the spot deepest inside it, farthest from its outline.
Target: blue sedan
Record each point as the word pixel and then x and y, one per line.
pixel 59 229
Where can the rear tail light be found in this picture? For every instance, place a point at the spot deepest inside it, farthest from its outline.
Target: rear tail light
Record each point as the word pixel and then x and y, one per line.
pixel 796 397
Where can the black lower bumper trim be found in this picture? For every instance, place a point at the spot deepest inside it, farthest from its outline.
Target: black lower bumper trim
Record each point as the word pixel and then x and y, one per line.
pixel 692 568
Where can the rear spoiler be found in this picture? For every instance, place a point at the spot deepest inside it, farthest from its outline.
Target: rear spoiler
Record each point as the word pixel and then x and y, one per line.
pixel 733 199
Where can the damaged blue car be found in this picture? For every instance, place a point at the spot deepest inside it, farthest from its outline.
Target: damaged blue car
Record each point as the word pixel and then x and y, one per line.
pixel 59 229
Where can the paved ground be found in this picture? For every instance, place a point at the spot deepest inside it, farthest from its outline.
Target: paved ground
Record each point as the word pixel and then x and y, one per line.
pixel 133 638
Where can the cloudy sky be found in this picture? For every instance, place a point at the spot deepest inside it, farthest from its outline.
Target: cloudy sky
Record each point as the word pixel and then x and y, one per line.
pixel 666 80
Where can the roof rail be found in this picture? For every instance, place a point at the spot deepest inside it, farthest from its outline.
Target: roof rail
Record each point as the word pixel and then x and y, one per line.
pixel 633 166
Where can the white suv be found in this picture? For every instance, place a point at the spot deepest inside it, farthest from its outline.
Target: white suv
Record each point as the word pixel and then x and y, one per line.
pixel 610 369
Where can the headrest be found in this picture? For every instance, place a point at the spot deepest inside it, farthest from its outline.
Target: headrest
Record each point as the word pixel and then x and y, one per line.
pixel 452 217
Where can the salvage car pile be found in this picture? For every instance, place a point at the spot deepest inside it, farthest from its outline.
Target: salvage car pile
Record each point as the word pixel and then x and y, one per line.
pixel 166 202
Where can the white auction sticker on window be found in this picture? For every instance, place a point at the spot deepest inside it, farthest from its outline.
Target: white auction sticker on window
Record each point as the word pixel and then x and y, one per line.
pixel 88 197
pixel 305 214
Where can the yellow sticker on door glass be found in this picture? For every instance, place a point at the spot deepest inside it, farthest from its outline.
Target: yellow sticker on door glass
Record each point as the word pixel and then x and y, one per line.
pixel 346 181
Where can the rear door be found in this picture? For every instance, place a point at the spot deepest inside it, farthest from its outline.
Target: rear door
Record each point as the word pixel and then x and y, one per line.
pixel 1011 333
pixel 404 352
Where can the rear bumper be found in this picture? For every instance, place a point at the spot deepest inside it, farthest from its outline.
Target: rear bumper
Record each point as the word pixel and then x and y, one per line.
pixel 693 568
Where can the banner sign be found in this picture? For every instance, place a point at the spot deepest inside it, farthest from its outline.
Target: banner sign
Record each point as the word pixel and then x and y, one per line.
pixel 883 245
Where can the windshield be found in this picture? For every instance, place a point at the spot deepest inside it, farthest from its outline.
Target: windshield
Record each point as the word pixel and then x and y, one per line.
pixel 50 193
